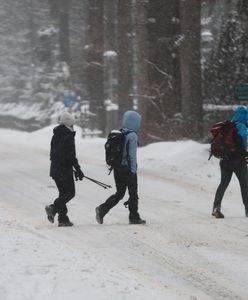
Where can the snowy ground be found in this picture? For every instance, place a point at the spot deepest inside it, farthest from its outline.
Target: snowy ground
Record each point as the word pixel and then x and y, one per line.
pixel 181 254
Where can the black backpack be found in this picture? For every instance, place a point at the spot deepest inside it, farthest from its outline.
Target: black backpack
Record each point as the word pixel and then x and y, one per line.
pixel 226 142
pixel 114 148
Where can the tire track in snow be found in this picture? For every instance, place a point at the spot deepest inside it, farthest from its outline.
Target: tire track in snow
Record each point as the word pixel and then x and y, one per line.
pixel 160 262
pixel 199 279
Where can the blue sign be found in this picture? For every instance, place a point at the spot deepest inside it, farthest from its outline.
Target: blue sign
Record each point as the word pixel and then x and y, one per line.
pixel 70 98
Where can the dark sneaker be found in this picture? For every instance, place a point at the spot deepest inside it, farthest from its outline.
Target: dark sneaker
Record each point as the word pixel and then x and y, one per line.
pixel 218 214
pixel 137 221
pixel 65 224
pixel 50 213
pixel 99 217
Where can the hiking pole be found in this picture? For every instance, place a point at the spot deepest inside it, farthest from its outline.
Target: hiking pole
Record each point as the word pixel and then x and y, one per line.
pixel 104 185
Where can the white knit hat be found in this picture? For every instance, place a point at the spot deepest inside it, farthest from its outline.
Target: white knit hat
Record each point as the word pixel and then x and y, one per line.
pixel 67 119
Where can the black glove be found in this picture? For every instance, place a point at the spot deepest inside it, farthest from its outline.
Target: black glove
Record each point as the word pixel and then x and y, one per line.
pixel 79 175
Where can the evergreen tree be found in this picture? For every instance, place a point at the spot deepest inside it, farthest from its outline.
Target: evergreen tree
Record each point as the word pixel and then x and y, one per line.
pixel 228 65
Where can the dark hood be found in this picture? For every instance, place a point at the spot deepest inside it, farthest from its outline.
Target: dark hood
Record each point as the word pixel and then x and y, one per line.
pixel 62 130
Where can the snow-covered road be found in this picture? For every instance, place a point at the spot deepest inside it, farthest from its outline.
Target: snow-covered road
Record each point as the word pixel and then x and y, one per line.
pixel 181 254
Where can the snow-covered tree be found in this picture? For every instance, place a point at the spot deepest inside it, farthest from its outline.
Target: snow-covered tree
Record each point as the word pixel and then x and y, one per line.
pixel 228 64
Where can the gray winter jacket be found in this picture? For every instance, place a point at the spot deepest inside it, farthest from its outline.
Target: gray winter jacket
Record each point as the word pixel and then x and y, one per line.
pixel 131 122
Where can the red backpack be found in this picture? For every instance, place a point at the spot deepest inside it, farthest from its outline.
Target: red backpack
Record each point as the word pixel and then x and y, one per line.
pixel 226 141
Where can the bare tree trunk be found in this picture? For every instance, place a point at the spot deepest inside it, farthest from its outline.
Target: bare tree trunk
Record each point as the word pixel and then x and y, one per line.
pixel 95 63
pixel 125 98
pixel 140 55
pixel 60 14
pixel 110 65
pixel 164 65
pixel 191 67
pixel 77 26
pixel 64 39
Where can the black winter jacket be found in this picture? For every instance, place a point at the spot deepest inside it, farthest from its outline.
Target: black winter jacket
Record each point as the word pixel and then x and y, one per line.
pixel 63 153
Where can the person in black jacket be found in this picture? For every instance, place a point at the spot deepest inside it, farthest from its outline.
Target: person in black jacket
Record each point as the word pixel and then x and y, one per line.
pixel 63 164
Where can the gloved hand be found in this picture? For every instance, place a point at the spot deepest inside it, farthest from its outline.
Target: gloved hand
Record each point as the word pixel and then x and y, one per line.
pixel 79 174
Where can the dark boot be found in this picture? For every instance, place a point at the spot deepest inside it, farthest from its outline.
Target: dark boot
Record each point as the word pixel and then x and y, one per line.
pixel 99 214
pixel 217 213
pixel 64 221
pixel 137 221
pixel 246 213
pixel 50 213
pixel 134 216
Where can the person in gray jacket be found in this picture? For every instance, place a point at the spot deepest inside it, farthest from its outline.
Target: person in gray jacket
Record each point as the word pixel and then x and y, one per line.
pixel 125 175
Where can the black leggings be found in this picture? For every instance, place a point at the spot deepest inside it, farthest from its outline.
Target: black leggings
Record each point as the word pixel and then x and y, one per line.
pixel 227 169
pixel 66 187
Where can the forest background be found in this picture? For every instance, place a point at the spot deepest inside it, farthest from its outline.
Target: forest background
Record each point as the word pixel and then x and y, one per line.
pixel 175 61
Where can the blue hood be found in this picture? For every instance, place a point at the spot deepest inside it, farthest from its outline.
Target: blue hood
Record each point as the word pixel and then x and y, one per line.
pixel 240 115
pixel 131 120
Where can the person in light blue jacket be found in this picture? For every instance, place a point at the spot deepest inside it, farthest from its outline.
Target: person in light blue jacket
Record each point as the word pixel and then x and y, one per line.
pixel 236 164
pixel 241 118
pixel 125 175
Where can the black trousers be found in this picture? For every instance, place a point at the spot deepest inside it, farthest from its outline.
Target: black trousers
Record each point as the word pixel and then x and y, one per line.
pixel 66 188
pixel 227 169
pixel 124 180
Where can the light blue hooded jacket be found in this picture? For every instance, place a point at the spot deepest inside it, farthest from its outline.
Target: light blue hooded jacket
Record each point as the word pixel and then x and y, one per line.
pixel 131 122
pixel 241 117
